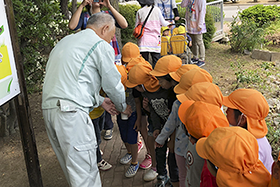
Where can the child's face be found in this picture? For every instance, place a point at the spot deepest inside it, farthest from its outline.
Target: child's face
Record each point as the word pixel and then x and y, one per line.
pixel 140 88
pixel 164 83
pixel 231 117
pixel 165 33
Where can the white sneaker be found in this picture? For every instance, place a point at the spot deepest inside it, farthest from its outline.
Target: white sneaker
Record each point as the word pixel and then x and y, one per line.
pixel 103 165
pixel 150 175
pixel 126 159
pixel 108 134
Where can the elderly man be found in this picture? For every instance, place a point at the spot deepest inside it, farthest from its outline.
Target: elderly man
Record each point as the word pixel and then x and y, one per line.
pixel 78 66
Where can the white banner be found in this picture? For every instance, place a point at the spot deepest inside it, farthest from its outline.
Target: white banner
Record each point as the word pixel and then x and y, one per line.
pixel 9 85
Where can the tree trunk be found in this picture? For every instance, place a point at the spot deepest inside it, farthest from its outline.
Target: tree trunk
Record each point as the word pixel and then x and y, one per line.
pixel 74 6
pixel 115 4
pixel 64 8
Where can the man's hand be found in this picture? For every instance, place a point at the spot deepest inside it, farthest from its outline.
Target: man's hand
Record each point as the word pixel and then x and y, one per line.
pixel 155 133
pixel 109 106
pixel 128 111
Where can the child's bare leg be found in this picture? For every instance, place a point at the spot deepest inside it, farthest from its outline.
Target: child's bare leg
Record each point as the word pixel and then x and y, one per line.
pixel 151 146
pixel 144 132
pixel 134 153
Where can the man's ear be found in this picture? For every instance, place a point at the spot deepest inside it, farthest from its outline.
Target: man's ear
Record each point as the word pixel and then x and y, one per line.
pixel 104 29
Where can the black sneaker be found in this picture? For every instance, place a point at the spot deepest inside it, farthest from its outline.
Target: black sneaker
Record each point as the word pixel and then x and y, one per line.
pixel 194 60
pixel 200 63
pixel 162 181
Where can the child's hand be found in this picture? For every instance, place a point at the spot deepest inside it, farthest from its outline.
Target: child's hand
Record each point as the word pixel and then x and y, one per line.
pixel 128 111
pixel 158 145
pixel 155 133
pixel 137 125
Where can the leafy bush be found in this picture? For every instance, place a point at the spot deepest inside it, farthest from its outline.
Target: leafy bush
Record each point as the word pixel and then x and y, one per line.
pixel 129 12
pixel 261 14
pixel 246 34
pixel 39 28
pixel 211 29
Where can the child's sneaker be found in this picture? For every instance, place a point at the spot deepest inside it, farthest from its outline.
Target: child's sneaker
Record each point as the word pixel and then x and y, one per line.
pixel 127 158
pixel 194 60
pixel 200 63
pixel 132 170
pixel 103 165
pixel 150 175
pixel 147 162
pixel 140 146
pixel 162 181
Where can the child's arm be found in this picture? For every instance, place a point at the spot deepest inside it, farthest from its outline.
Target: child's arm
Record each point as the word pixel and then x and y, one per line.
pixel 137 125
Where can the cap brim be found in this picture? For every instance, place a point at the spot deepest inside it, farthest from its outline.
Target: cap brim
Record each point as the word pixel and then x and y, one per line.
pixel 200 147
pixel 228 103
pixel 157 74
pixel 257 127
pixel 179 90
pixel 174 76
pixel 182 98
pixel 130 85
pixel 182 110
pixel 126 59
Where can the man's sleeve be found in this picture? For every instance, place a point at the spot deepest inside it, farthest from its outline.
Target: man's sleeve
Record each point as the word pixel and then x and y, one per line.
pixel 111 79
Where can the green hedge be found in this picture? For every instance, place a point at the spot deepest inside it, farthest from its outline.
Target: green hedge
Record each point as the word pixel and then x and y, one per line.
pixel 261 14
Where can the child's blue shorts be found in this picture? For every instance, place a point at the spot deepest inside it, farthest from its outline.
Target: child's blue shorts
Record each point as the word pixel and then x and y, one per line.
pixel 128 134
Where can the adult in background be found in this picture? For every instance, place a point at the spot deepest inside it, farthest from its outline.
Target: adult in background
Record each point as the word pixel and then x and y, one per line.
pixel 195 22
pixel 78 66
pixel 150 42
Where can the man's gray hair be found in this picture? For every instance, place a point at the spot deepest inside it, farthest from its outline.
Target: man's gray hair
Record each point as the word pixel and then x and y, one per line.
pixel 100 19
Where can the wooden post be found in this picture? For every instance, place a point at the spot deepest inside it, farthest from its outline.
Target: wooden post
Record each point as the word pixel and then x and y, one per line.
pixel 23 109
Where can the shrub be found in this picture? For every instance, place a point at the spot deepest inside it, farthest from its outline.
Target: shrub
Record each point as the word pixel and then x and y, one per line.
pixel 261 14
pixel 39 28
pixel 246 34
pixel 211 29
pixel 129 12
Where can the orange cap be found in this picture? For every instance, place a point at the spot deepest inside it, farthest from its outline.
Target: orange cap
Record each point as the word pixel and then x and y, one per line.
pixel 191 77
pixel 235 152
pixel 201 118
pixel 166 64
pixel 182 70
pixel 253 104
pixel 134 61
pixel 203 91
pixel 139 74
pixel 129 51
pixel 123 73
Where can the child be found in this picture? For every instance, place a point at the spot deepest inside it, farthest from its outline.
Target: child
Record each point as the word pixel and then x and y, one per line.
pixel 275 176
pixel 141 80
pixel 128 133
pixel 165 31
pixel 248 108
pixel 129 52
pixel 164 66
pixel 209 93
pixel 182 31
pixel 195 22
pixel 191 77
pixel 232 153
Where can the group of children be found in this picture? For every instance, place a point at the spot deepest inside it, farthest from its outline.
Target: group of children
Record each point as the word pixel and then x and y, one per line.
pixel 179 113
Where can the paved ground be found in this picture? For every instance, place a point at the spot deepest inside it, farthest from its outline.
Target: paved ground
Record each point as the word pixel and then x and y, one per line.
pixel 113 150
